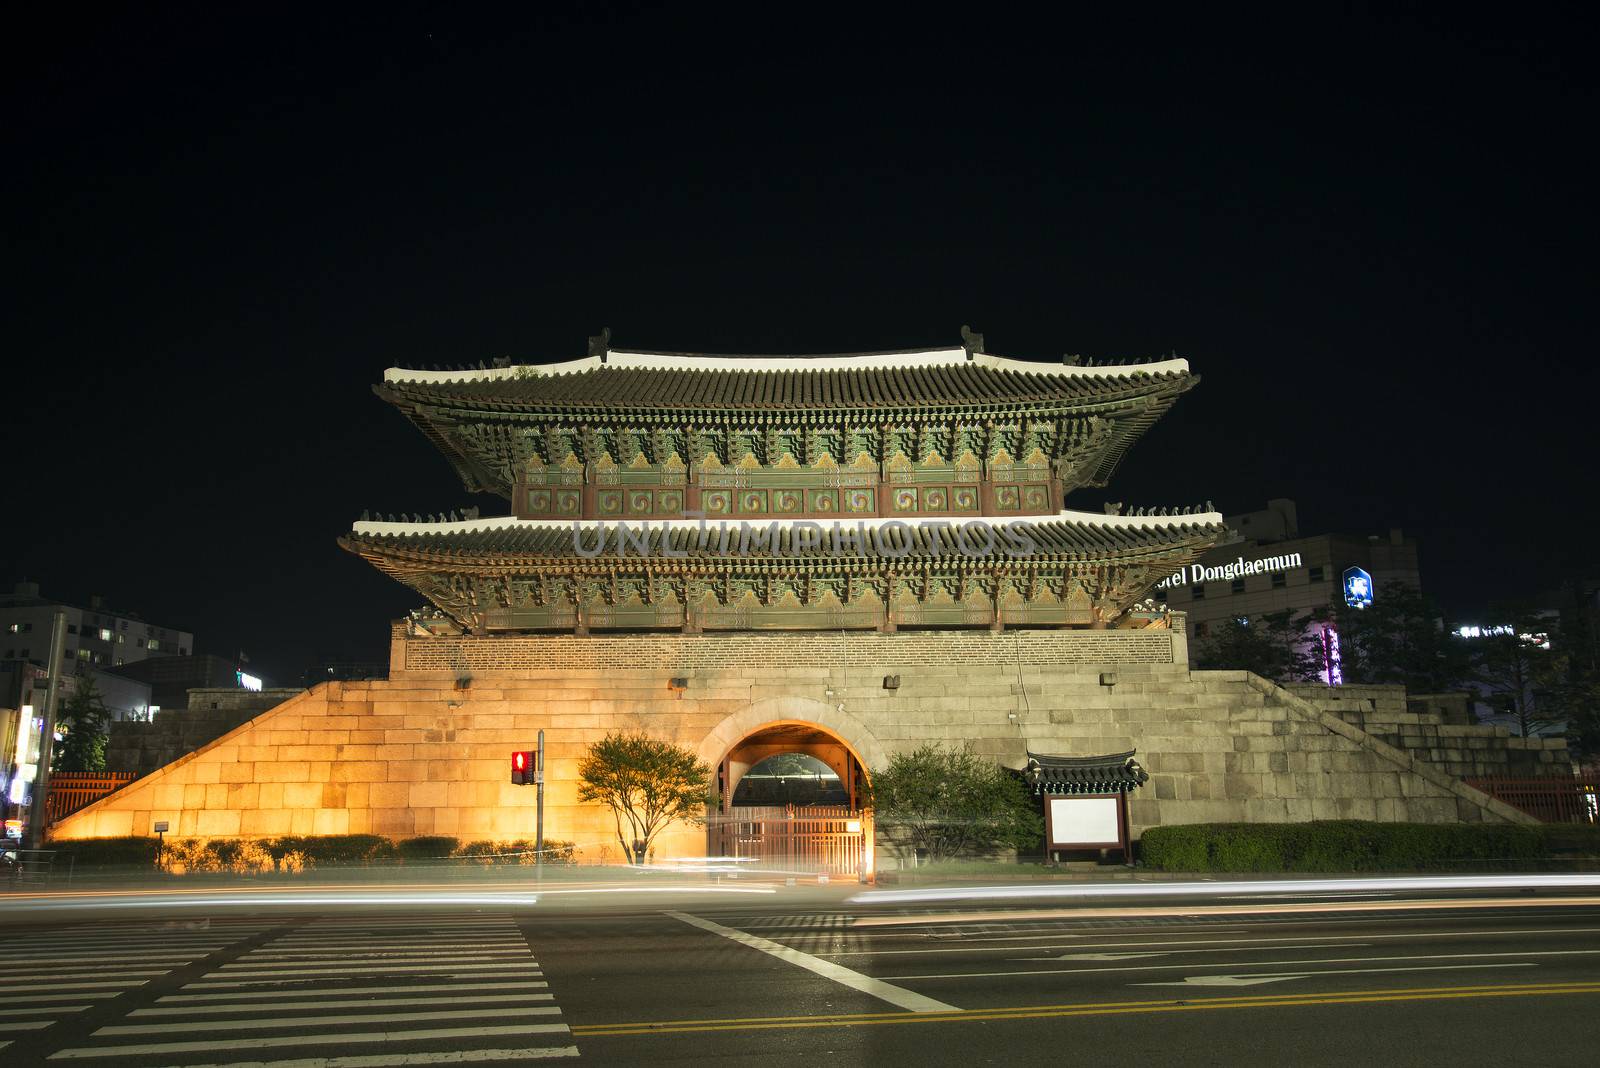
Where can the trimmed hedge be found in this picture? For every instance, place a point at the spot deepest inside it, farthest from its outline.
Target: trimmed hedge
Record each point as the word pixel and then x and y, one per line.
pixel 294 853
pixel 1342 845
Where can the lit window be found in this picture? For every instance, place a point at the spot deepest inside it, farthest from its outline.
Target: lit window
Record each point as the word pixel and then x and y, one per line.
pixel 154 645
pixel 83 654
pixel 122 639
pixel 1279 580
pixel 1238 585
pixel 105 634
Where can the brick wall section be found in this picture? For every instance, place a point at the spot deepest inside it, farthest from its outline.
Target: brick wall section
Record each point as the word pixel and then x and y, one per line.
pixel 423 657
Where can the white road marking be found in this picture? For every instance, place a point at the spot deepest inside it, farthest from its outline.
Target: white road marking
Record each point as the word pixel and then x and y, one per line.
pixel 353 1038
pixel 25 1025
pixel 1262 964
pixel 116 983
pixel 318 1021
pixel 463 1056
pixel 36 1009
pixel 1187 952
pixel 55 997
pixel 361 1003
pixel 391 956
pixel 1252 939
pixel 301 992
pixel 1275 977
pixel 894 995
pixel 375 969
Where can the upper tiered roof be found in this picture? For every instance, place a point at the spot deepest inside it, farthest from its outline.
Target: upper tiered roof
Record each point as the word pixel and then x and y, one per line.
pixel 913 379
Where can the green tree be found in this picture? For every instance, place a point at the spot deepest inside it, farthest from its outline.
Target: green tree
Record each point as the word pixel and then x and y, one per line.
pixel 648 785
pixel 1399 638
pixel 1274 645
pixel 947 802
pixel 1535 677
pixel 82 722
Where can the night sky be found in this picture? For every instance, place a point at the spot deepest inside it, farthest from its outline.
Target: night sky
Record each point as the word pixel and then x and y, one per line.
pixel 1374 238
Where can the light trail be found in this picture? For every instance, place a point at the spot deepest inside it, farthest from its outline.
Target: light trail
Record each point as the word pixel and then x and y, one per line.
pixel 1254 887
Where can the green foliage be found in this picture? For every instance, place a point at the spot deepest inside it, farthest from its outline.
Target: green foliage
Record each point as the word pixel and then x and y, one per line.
pixel 946 802
pixel 333 850
pixel 648 785
pixel 1339 845
pixel 82 720
pixel 108 852
pixel 518 852
pixel 1274 645
pixel 428 847
pixel 1399 638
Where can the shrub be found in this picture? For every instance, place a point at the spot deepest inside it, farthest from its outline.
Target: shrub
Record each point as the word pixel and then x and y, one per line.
pixel 518 851
pixel 428 847
pixel 108 852
pixel 332 850
pixel 1339 845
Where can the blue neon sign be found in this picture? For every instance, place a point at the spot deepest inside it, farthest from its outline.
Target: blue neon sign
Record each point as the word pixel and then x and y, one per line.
pixel 1357 587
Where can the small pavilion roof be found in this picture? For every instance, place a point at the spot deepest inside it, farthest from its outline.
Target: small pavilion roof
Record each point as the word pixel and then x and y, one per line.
pixel 692 382
pixel 1073 535
pixel 1108 774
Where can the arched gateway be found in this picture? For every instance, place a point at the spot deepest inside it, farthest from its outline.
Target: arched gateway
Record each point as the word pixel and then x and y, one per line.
pixel 826 829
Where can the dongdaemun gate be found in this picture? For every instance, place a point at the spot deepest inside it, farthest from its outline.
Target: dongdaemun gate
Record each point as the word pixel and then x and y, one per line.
pixel 796 567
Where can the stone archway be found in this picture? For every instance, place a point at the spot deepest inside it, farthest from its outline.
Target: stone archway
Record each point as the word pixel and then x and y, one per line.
pixel 791 724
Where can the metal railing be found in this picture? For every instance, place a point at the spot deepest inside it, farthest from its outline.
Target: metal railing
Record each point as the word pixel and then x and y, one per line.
pixel 72 790
pixel 1550 800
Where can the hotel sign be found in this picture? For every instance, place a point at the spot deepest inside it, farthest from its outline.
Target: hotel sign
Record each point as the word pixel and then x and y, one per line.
pixel 1239 568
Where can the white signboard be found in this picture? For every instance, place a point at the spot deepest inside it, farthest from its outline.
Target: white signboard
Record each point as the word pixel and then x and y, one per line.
pixel 1084 820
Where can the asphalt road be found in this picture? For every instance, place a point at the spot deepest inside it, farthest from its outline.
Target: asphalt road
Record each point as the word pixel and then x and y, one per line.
pixel 793 976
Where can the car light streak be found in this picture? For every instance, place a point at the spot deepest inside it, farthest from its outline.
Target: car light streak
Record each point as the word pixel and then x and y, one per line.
pixel 1381 884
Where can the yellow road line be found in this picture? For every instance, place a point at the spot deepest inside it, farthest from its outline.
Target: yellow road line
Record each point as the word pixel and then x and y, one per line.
pixel 1035 1012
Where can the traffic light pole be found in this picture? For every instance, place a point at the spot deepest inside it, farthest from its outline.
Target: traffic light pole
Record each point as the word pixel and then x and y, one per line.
pixel 538 824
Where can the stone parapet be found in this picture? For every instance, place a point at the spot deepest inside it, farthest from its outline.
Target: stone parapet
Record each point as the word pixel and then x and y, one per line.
pixel 424 657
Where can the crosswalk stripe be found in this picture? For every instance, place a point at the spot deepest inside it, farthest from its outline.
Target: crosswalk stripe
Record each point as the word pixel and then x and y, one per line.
pixel 352 1038
pixel 24 1025
pixel 33 1010
pixel 303 991
pixel 289 960
pixel 374 969
pixel 52 997
pixel 191 1010
pixel 86 985
pixel 457 950
pixel 328 1021
pixel 279 980
pixel 16 979
pixel 461 1056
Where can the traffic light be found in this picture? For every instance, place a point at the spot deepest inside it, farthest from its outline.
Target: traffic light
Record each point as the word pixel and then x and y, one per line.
pixel 521 769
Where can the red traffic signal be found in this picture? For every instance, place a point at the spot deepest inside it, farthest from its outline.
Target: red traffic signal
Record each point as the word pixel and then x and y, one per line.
pixel 521 769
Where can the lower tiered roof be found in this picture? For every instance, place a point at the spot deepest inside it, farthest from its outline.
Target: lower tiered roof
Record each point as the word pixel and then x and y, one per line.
pixel 1074 568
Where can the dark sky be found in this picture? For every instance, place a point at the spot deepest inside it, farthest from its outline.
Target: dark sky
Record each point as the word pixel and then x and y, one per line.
pixel 1374 237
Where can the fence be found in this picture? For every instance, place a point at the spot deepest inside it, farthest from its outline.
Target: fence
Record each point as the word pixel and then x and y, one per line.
pixel 815 839
pixel 1547 800
pixel 72 790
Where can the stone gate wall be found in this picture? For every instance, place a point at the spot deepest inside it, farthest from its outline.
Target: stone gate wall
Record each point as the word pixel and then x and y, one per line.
pixel 427 751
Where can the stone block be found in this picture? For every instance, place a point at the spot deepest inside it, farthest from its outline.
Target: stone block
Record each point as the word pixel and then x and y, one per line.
pixel 281 771
pixel 218 823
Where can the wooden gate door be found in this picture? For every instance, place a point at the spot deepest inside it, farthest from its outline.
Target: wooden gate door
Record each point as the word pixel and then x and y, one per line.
pixel 806 841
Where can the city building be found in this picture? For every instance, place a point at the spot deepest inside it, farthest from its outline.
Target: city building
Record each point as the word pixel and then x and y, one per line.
pixel 1264 564
pixel 97 636
pixel 836 557
pixel 170 679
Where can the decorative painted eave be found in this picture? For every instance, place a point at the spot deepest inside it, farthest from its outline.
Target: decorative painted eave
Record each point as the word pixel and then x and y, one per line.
pixel 507 540
pixel 1109 774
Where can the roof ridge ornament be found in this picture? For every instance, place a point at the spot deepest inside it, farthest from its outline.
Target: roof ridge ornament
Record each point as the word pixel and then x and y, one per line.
pixel 970 341
pixel 600 344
